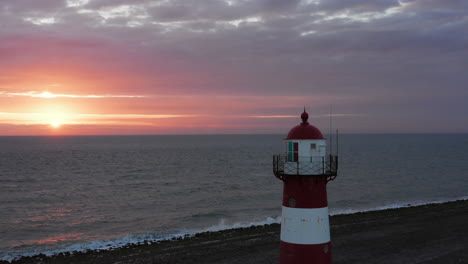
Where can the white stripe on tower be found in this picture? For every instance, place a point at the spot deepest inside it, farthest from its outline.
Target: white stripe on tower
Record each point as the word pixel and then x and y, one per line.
pixel 305 226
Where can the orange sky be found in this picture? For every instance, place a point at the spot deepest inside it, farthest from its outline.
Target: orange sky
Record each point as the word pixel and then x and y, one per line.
pixel 50 113
pixel 86 96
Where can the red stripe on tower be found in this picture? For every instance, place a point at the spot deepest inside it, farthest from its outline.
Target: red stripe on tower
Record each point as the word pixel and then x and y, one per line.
pixel 305 170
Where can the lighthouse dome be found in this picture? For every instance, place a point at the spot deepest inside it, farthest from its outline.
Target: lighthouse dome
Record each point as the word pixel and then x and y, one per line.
pixel 304 130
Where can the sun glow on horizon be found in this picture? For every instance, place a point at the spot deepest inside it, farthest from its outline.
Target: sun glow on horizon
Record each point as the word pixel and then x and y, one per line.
pixel 47 94
pixel 55 124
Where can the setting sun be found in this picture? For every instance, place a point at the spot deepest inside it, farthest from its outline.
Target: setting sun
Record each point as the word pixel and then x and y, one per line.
pixel 55 124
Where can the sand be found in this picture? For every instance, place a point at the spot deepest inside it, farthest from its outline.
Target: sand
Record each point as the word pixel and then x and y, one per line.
pixel 429 234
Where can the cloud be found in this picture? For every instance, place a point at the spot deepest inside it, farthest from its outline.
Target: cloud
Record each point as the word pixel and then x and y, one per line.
pixel 388 54
pixel 80 119
pixel 53 95
pixel 356 5
pixel 23 6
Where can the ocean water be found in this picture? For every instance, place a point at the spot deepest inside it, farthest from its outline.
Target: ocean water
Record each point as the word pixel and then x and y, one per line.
pixel 62 194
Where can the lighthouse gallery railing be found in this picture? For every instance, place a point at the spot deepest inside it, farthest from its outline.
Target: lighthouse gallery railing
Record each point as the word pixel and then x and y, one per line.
pixel 305 166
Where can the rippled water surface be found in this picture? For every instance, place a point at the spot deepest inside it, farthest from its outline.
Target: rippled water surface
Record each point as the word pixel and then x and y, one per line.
pixel 75 193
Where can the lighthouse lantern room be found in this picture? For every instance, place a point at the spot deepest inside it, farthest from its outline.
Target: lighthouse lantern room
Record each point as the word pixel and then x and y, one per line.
pixel 305 168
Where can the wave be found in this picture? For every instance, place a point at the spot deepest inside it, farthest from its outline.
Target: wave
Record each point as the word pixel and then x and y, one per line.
pixel 396 205
pixel 26 251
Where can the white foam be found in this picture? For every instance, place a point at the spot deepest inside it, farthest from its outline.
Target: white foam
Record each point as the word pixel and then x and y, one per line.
pixel 223 226
pixel 129 240
pixel 93 245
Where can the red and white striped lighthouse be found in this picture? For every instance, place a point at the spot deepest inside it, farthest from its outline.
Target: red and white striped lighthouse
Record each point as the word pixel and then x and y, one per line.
pixel 305 169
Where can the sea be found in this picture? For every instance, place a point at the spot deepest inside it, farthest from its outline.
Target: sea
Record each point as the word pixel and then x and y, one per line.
pixel 78 193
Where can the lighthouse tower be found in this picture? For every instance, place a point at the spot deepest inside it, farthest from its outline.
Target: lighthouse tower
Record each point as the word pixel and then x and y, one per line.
pixel 305 168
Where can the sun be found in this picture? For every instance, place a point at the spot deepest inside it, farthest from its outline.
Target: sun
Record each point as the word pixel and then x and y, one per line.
pixel 55 124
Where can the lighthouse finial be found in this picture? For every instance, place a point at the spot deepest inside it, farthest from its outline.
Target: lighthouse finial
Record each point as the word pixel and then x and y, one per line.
pixel 305 117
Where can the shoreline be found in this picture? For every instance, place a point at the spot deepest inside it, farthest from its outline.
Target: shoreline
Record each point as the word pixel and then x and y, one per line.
pixel 437 231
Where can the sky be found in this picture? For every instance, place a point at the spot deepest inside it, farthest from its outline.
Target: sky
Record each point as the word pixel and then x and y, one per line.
pixel 99 67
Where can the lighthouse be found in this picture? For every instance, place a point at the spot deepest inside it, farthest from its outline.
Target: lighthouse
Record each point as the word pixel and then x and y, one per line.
pixel 305 169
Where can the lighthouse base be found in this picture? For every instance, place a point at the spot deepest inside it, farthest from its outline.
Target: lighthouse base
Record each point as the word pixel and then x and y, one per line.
pixel 301 254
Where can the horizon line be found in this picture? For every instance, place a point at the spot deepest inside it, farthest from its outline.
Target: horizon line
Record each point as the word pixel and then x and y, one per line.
pixel 235 134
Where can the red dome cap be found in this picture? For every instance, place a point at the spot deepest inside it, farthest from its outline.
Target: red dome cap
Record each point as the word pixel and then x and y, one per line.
pixel 304 130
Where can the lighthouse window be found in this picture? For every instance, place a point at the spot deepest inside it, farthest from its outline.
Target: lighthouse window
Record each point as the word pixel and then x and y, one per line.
pixel 293 151
pixel 313 146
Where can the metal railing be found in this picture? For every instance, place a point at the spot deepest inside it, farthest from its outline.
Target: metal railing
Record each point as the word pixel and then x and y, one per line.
pixel 307 166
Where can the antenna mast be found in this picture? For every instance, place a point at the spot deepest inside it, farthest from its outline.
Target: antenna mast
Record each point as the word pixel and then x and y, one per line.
pixel 331 136
pixel 337 142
